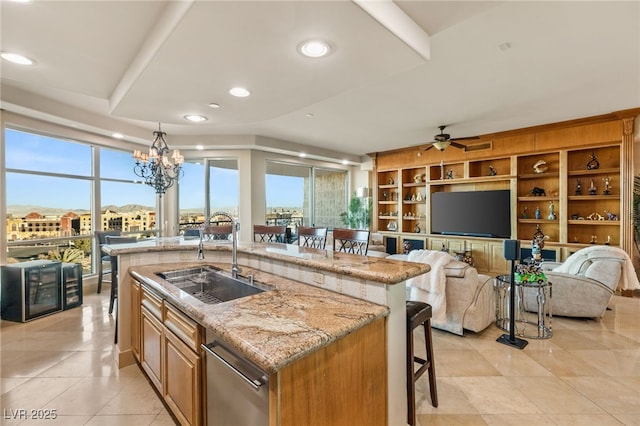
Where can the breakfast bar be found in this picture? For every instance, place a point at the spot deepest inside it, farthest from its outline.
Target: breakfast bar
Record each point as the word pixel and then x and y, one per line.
pixel 318 298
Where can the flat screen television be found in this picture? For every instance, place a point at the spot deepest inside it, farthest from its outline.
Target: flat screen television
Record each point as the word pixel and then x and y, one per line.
pixel 472 213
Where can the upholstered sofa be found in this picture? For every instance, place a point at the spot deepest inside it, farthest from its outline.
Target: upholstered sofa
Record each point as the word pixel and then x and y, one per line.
pixel 469 297
pixel 584 284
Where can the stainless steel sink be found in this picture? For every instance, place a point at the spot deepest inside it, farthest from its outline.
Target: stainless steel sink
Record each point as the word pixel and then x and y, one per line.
pixel 210 285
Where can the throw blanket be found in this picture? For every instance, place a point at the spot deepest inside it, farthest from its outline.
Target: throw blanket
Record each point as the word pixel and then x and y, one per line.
pixel 434 281
pixel 628 279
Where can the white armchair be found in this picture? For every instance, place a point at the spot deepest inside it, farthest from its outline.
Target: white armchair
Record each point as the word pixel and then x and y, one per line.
pixel 584 284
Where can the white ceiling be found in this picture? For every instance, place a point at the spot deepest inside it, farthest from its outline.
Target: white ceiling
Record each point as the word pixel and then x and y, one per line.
pixel 126 65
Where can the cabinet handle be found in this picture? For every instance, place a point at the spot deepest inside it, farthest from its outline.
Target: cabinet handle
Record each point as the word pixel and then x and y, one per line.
pixel 254 383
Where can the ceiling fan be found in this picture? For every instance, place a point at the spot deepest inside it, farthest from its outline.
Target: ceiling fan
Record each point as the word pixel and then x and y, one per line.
pixel 443 140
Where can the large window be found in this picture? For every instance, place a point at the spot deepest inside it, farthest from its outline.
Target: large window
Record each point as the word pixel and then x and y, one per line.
pixel 224 190
pixel 48 186
pixel 191 194
pixel 126 204
pixel 304 195
pixel 288 194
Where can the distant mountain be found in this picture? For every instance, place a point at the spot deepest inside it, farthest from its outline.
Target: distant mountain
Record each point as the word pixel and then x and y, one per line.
pixel 127 208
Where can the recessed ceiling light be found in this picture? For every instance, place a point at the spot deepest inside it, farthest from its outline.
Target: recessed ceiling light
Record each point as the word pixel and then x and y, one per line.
pixel 118 135
pixel 195 118
pixel 239 92
pixel 345 162
pixel 199 147
pixel 214 105
pixel 302 155
pixel 309 115
pixel 314 48
pixel 17 59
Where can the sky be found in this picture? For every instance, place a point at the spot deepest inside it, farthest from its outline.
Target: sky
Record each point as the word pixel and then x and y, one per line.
pixel 38 153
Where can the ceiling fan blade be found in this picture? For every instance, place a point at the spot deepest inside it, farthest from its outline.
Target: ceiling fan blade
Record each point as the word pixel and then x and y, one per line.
pixel 457 145
pixel 429 147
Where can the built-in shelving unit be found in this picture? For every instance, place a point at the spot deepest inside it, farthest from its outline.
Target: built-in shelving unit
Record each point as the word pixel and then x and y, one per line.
pixel 570 173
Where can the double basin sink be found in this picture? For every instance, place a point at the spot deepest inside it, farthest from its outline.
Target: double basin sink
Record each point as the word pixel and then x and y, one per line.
pixel 209 285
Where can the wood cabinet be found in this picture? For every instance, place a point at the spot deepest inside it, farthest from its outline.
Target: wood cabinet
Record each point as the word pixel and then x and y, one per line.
pixel 169 353
pixel 567 179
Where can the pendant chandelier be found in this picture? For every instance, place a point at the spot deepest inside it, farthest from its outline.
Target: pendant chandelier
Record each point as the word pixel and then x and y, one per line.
pixel 159 168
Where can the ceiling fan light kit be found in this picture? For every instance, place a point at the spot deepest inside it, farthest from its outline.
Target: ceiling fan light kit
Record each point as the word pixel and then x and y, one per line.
pixel 442 140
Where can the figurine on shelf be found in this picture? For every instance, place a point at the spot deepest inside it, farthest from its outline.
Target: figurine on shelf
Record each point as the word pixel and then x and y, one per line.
pixel 594 240
pixel 538 192
pixel 492 170
pixel 419 197
pixel 595 216
pixel 406 247
pixel 525 213
pixel 607 185
pixel 538 215
pixel 391 181
pixel 537 244
pixel 450 174
pixel 416 228
pixel 384 195
pixel 610 216
pixel 392 225
pixel 593 163
pixel 552 211
pixel 592 188
pixel 579 187
pixel 608 242
pixel 413 197
pixel 540 166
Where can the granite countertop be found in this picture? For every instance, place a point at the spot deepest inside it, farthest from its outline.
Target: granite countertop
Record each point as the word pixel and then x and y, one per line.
pixel 273 328
pixel 372 268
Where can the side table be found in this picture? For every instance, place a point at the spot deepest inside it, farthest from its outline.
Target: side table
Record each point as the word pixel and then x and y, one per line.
pixel 529 324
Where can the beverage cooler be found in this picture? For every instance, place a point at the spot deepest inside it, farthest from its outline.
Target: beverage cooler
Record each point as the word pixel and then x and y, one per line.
pixel 72 285
pixel 31 290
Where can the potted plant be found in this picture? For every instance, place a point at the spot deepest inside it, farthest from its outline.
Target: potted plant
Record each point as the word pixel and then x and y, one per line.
pixel 359 214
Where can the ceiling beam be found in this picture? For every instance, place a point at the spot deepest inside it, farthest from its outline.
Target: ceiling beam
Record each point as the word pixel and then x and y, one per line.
pixel 394 19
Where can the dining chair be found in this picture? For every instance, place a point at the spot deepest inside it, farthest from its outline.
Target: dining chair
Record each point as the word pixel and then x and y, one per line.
pixel 354 241
pixel 191 233
pixel 111 240
pixel 217 232
pixel 314 237
pixel 101 240
pixel 270 233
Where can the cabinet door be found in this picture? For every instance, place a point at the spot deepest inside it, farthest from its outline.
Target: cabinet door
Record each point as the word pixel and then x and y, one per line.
pixel 135 318
pixel 182 380
pixel 151 347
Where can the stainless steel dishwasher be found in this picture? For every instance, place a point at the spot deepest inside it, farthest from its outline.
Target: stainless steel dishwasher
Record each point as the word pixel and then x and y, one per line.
pixel 237 390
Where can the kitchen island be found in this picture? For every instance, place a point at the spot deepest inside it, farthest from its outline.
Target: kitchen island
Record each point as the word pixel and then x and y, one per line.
pixel 371 279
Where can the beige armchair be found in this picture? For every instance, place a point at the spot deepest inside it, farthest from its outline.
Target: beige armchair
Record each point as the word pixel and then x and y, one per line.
pixel 584 284
pixel 469 297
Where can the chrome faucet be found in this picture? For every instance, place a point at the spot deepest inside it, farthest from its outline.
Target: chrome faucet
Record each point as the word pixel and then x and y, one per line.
pixel 235 226
pixel 201 246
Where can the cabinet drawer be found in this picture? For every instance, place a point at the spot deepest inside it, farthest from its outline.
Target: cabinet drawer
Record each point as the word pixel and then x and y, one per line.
pixel 152 302
pixel 182 326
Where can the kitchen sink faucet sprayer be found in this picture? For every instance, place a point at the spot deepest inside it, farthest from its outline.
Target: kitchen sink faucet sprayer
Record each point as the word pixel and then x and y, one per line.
pixel 235 226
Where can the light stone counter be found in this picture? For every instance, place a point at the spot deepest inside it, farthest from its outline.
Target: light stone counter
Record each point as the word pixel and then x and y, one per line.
pixel 373 279
pixel 273 328
pixel 364 267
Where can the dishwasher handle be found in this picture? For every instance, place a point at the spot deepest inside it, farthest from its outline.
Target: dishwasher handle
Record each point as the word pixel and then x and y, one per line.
pixel 254 383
